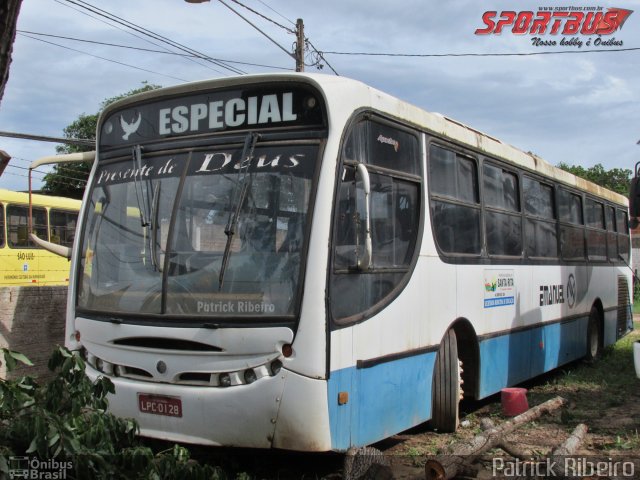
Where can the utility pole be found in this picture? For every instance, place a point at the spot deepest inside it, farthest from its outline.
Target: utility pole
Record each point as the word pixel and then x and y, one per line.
pixel 299 46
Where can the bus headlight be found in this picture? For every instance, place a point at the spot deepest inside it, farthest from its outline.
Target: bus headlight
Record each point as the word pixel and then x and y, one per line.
pixel 224 380
pixel 275 367
pixel 250 375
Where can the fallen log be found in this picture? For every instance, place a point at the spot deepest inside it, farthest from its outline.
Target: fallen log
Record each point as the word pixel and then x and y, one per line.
pixel 558 457
pixel 572 443
pixel 461 455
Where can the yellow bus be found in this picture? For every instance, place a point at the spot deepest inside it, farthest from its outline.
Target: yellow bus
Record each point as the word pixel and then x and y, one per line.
pixel 22 262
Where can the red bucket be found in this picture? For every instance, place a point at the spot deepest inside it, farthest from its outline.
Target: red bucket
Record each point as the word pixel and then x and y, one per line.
pixel 514 401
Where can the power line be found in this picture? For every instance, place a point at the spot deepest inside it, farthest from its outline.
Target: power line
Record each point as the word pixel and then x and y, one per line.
pixel 278 13
pixel 128 32
pixel 61 182
pixel 130 47
pixel 524 54
pixel 76 179
pixel 130 25
pixel 321 57
pixel 264 17
pixel 103 58
pixel 144 31
pixel 258 29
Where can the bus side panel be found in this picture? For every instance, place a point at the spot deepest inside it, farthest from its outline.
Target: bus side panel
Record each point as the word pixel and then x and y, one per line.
pixel 20 267
pixel 32 267
pixel 392 397
pixel 339 384
pixel 384 399
pixel 340 407
pixel 512 358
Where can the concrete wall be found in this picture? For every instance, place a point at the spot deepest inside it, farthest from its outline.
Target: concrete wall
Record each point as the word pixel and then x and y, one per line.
pixel 32 322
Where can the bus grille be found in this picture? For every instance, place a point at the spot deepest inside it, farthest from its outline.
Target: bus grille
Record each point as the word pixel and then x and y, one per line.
pixel 210 379
pixel 624 322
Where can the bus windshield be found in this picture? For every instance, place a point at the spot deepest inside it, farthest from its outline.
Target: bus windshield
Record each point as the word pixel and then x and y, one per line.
pixel 155 237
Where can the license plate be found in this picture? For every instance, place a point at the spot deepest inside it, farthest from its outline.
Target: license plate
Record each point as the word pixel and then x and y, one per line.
pixel 160 405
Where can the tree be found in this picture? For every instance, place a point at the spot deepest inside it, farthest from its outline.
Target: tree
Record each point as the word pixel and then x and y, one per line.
pixel 9 10
pixel 69 180
pixel 616 179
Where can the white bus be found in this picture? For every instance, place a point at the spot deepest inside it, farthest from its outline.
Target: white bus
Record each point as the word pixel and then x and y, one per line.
pixel 304 262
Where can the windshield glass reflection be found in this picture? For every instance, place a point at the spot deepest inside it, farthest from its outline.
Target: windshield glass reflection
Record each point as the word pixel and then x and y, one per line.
pixel 169 262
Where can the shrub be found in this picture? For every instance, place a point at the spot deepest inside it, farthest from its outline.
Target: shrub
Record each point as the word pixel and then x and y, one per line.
pixel 67 420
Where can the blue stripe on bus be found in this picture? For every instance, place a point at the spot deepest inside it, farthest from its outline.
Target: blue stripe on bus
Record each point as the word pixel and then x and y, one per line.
pixel 383 400
pixel 510 359
pixel 390 397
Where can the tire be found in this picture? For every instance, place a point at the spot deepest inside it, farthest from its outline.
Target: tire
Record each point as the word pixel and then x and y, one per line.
pixel 594 337
pixel 446 386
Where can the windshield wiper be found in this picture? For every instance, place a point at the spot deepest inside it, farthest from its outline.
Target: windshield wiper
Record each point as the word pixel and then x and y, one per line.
pixel 239 195
pixel 153 238
pixel 136 156
pixel 147 205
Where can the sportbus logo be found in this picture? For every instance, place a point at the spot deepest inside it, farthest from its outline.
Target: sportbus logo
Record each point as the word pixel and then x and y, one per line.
pixel 588 21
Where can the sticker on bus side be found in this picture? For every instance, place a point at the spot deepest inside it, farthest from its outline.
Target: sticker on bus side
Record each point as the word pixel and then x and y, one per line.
pixel 499 288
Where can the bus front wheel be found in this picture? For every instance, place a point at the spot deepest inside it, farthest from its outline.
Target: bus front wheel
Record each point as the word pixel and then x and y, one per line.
pixel 446 386
pixel 594 339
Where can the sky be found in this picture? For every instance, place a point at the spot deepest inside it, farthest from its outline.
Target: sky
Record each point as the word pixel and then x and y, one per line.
pixel 578 108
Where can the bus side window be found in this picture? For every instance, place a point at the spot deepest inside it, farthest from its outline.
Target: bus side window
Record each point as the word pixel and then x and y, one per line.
pixel 18 225
pixel 455 201
pixel 394 222
pixel 503 223
pixel 391 157
pixel 612 239
pixel 596 235
pixel 622 223
pixel 62 227
pixel 347 234
pixel 571 225
pixel 541 239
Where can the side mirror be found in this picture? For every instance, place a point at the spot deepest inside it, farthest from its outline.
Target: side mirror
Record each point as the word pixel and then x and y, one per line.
pixel 51 247
pixel 68 158
pixel 365 255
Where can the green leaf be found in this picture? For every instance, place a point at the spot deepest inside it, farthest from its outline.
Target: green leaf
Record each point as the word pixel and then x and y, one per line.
pixel 33 446
pixel 20 358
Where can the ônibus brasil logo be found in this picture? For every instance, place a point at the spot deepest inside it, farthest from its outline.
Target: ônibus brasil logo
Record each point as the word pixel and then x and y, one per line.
pixel 589 21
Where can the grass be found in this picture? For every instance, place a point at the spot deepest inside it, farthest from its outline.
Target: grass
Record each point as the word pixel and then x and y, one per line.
pixel 614 372
pixel 604 395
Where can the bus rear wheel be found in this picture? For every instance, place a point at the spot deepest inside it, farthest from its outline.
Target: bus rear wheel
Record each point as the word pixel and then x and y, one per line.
pixel 446 386
pixel 594 338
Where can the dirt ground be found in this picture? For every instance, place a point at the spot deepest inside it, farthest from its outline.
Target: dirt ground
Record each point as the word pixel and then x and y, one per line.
pixel 612 434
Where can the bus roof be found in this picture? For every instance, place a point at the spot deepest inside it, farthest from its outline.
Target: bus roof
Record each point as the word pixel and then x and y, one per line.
pixel 344 96
pixel 9 196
